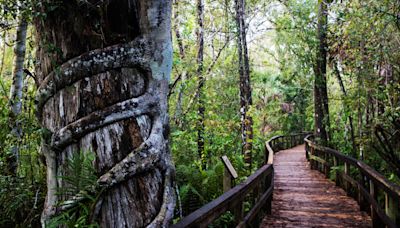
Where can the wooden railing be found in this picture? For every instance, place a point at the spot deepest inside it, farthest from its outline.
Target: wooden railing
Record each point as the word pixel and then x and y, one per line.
pixel 374 193
pixel 256 189
pixel 280 142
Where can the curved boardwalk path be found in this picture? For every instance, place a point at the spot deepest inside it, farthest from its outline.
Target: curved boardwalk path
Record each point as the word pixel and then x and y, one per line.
pixel 304 198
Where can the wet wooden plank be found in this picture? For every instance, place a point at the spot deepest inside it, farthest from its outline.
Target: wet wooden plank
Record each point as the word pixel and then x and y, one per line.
pixel 304 198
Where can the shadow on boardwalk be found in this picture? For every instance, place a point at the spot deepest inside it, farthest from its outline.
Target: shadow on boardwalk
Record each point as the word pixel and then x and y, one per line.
pixel 304 198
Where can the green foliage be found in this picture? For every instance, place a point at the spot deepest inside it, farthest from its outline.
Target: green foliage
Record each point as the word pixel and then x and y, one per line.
pixel 21 196
pixel 80 174
pixel 225 221
pixel 79 178
pixel 21 202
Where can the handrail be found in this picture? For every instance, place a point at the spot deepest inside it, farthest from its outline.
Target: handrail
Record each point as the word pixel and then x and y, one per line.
pixel 228 201
pixel 258 188
pixel 367 184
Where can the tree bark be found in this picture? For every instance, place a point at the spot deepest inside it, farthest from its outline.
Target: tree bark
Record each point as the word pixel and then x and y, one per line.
pixel 244 80
pixel 16 92
pixel 103 71
pixel 321 113
pixel 200 81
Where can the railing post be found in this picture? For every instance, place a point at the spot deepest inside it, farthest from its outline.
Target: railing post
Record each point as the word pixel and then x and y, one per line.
pixel 291 141
pixel 257 193
pixel 229 173
pixel 280 140
pixel 376 220
pixel 227 180
pixel 336 165
pixel 284 143
pixel 326 165
pixel 238 212
pixel 307 149
pixel 318 165
pixel 392 208
pixel 287 142
pixel 312 153
pixel 270 183
pixel 360 197
pixel 345 182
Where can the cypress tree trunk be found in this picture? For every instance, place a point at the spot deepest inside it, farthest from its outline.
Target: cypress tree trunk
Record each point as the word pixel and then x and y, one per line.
pixel 244 80
pixel 201 81
pixel 16 91
pixel 103 70
pixel 321 114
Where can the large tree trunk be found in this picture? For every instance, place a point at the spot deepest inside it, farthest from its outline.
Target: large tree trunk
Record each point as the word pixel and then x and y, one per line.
pixel 201 81
pixel 16 91
pixel 103 73
pixel 321 114
pixel 244 79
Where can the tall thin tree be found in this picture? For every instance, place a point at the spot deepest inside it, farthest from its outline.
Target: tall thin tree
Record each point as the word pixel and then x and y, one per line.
pixel 321 113
pixel 200 81
pixel 16 90
pixel 244 80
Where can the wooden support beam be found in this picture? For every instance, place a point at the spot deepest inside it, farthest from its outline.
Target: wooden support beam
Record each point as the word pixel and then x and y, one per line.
pixel 227 180
pixel 336 165
pixel 326 165
pixel 345 182
pixel 237 212
pixel 376 220
pixel 269 185
pixel 230 173
pixel 392 208
pixel 361 199
pixel 311 161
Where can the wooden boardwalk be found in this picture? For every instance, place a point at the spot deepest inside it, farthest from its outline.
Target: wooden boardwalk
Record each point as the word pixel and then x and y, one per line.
pixel 304 198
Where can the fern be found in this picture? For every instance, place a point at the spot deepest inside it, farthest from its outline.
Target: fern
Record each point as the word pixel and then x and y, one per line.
pixel 79 174
pixel 80 177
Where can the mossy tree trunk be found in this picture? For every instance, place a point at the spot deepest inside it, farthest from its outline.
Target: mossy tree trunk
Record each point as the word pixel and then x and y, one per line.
pixel 103 68
pixel 16 92
pixel 321 113
pixel 200 83
pixel 244 81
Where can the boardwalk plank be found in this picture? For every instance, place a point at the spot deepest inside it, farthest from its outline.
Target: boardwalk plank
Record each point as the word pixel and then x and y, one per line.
pixel 304 198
